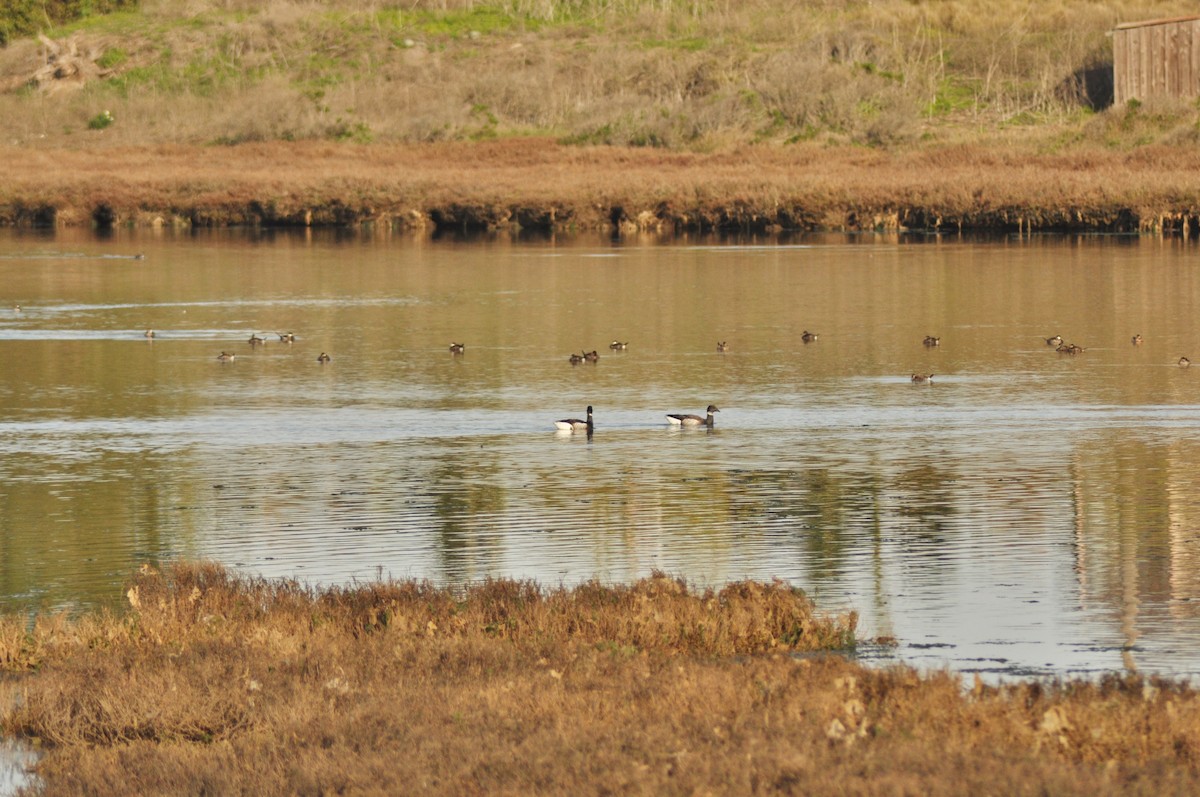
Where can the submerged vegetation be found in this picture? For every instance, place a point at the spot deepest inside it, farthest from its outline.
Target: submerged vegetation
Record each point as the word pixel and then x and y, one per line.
pixel 694 74
pixel 210 683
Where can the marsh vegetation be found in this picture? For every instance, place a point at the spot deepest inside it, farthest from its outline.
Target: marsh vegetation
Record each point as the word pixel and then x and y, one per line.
pixel 211 683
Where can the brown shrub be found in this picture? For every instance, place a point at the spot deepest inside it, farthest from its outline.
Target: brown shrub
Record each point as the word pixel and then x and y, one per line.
pixel 218 684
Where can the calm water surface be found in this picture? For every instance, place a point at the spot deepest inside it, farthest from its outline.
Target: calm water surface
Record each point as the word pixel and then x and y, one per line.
pixel 1027 512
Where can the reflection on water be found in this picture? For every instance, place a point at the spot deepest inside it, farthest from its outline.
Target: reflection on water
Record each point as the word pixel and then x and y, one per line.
pixel 1025 512
pixel 15 760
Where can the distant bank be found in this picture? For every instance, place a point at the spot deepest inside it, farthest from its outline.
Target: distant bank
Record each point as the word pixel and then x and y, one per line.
pixel 541 185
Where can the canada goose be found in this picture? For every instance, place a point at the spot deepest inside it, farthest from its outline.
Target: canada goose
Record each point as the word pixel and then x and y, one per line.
pixel 1054 341
pixel 617 345
pixel 591 356
pixel 576 425
pixel 323 357
pixel 226 357
pixel 256 340
pixel 1137 340
pixel 694 420
pixel 930 340
pixel 722 346
pixel 149 333
pixel 286 337
pixel 1184 362
pixel 922 377
pixel 458 348
pixel 576 359
pixel 809 337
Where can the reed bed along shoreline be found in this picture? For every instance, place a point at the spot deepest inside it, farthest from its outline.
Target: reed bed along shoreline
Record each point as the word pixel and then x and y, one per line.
pixel 214 684
pixel 540 185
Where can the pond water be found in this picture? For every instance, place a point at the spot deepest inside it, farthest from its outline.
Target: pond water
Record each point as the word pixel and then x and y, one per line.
pixel 1025 512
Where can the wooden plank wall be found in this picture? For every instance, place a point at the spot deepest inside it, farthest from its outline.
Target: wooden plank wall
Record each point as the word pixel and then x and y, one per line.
pixel 1156 59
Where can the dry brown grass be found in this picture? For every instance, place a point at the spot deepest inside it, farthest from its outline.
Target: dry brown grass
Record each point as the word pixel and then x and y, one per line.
pixel 537 183
pixel 697 74
pixel 217 685
pixel 663 115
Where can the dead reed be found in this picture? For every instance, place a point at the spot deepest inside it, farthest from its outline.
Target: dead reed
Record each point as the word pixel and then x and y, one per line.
pixel 538 184
pixel 215 684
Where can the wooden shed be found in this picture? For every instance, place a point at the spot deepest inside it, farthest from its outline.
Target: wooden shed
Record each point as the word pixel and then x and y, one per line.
pixel 1158 58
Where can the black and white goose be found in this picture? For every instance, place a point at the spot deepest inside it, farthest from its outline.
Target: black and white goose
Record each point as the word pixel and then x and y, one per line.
pixel 575 424
pixel 694 420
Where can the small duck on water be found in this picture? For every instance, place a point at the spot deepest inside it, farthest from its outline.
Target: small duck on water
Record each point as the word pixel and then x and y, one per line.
pixel 575 424
pixel 617 345
pixel 922 377
pixel 226 357
pixel 576 359
pixel 1137 340
pixel 1184 362
pixel 323 357
pixel 676 419
pixel 722 346
pixel 931 340
pixel 1054 341
pixel 809 337
pixel 591 356
pixel 458 348
pixel 286 337
pixel 255 340
pixel 149 333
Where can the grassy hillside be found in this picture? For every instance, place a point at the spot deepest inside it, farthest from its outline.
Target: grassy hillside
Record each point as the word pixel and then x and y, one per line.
pixel 696 74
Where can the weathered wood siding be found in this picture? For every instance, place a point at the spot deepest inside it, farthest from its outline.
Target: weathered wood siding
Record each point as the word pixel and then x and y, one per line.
pixel 1160 58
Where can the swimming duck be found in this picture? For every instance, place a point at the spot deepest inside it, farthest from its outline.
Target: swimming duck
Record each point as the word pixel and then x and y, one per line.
pixel 323 357
pixel 1054 341
pixel 1184 362
pixel 922 377
pixel 458 348
pixel 722 346
pixel 149 333
pixel 1069 348
pixel 591 356
pixel 1137 340
pixel 286 337
pixel 576 425
pixel 17 309
pixel 576 359
pixel 809 337
pixel 256 340
pixel 930 340
pixel 617 345
pixel 694 420
pixel 226 357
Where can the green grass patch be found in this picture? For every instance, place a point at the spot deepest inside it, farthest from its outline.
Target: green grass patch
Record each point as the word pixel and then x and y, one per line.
pixel 687 44
pixel 951 97
pixel 461 24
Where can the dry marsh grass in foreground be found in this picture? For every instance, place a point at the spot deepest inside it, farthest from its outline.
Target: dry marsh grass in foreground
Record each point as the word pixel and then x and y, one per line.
pixel 212 684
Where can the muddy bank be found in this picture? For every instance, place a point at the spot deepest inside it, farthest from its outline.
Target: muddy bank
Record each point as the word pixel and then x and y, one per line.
pixel 535 184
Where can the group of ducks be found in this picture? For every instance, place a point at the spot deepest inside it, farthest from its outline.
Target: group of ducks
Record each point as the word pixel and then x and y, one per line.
pixel 1070 348
pixel 675 419
pixel 594 356
pixel 256 340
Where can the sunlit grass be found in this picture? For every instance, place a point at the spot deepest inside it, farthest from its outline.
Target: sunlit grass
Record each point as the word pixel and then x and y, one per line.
pixel 217 684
